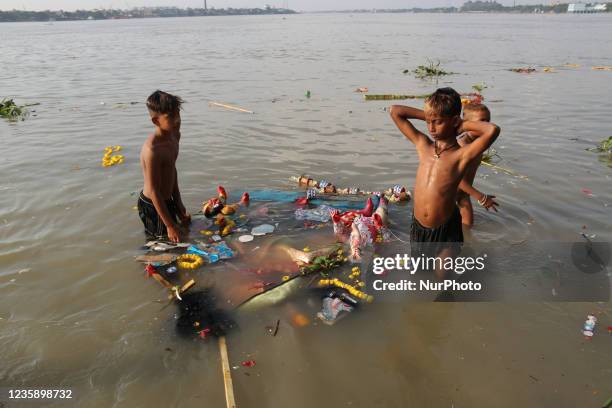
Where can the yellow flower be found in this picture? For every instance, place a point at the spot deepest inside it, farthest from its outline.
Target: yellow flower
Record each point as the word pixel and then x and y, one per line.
pixel 285 278
pixel 206 232
pixel 306 249
pixel 189 261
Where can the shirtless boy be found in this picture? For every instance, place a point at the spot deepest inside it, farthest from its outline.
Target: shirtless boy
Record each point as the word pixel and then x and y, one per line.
pixel 160 206
pixel 479 113
pixel 442 163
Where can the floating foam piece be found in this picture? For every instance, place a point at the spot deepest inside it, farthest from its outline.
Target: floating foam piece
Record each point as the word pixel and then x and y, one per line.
pixel 262 229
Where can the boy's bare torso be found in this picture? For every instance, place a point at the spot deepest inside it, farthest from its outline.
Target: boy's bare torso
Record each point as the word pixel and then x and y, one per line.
pixel 436 184
pixel 158 155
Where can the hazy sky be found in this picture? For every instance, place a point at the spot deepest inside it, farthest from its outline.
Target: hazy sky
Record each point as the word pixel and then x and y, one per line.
pixel 307 5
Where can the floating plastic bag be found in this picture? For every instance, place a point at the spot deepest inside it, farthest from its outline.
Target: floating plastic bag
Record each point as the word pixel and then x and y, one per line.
pixel 320 214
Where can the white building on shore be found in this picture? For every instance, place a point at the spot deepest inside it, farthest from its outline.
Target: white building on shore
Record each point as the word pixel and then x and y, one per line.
pixel 586 8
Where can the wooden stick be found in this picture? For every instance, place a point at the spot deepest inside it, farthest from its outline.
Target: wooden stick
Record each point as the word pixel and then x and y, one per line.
pixel 184 288
pixel 227 374
pixel 162 280
pixel 507 171
pixel 387 97
pixel 230 107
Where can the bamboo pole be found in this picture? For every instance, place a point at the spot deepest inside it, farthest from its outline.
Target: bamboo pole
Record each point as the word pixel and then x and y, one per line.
pixel 507 171
pixel 230 107
pixel 387 97
pixel 227 374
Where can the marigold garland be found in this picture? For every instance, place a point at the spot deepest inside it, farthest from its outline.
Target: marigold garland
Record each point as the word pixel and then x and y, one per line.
pixel 109 160
pixel 189 261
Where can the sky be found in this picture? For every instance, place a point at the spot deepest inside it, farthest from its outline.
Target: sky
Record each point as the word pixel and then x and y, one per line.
pixel 300 5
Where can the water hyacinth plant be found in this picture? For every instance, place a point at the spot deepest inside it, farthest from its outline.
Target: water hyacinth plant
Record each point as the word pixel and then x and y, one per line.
pixel 11 111
pixel 605 148
pixel 429 71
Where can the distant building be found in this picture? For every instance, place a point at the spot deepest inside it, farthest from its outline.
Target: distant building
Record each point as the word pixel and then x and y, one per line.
pixel 586 8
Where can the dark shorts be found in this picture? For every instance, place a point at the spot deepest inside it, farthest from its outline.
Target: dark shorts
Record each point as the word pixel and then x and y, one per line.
pixel 430 241
pixel 154 226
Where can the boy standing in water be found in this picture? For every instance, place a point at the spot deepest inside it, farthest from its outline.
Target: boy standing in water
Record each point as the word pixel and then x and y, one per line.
pixel 442 164
pixel 160 206
pixel 478 113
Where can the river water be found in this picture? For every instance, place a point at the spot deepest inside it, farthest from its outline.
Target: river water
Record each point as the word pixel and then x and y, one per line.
pixel 76 312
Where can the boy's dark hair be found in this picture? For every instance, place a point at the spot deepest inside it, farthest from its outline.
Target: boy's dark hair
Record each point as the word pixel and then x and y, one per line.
pixel 163 102
pixel 445 101
pixel 476 107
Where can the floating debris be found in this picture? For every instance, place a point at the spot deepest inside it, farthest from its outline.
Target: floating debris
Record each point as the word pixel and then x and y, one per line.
pixel 589 327
pixel 605 146
pixel 230 107
pixel 479 87
pixel 11 111
pixel 429 71
pixel 109 159
pixel 387 97
pixel 262 229
pixel 245 238
pixel 523 70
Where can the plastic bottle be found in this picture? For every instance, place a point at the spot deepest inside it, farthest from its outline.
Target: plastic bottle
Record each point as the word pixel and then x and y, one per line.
pixel 589 326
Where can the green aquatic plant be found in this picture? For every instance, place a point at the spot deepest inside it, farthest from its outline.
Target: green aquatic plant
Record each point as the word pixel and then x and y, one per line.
pixel 11 111
pixel 490 156
pixel 479 87
pixel 605 146
pixel 429 71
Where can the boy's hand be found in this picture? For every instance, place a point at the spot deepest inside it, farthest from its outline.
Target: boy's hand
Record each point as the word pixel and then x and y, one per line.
pixel 174 234
pixel 488 202
pixel 185 219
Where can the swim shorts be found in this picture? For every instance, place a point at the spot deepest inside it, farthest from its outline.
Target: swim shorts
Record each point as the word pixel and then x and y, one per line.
pixel 154 226
pixel 430 241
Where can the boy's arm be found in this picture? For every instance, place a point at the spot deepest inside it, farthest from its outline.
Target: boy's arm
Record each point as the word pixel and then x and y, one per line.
pixel 176 196
pixel 152 174
pixel 400 115
pixel 487 201
pixel 484 134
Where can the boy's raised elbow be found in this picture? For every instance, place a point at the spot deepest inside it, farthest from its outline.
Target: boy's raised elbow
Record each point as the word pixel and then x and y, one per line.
pixel 495 130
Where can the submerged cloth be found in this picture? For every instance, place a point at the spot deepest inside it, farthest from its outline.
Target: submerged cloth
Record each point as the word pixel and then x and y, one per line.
pixel 154 226
pixel 449 232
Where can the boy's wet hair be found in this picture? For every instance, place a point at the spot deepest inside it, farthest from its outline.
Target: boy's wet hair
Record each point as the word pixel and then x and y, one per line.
pixel 475 108
pixel 445 101
pixel 161 102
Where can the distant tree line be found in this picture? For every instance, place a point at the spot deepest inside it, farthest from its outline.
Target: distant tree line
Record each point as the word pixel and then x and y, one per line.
pixel 482 7
pixel 47 15
pixel 495 7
